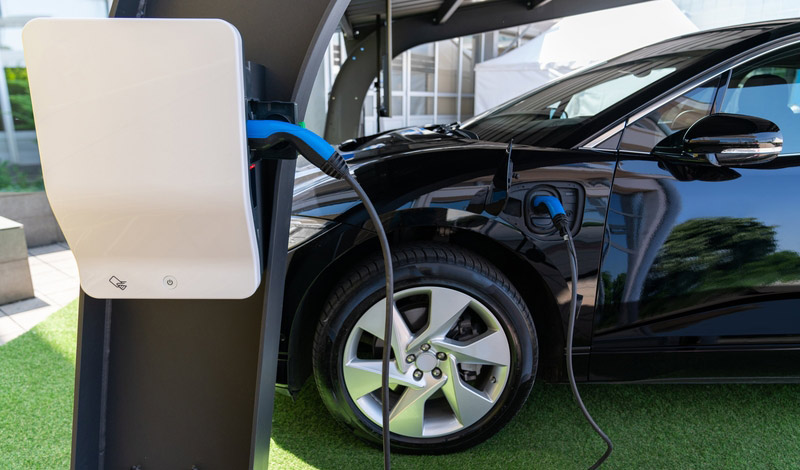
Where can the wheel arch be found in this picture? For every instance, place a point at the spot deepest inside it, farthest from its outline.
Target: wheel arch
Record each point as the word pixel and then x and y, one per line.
pixel 417 225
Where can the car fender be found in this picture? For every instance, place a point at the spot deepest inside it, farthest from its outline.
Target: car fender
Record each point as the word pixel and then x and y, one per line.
pixel 489 236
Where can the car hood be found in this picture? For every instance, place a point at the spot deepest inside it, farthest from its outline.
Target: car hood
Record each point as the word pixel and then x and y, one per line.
pixel 398 168
pixel 314 190
pixel 398 140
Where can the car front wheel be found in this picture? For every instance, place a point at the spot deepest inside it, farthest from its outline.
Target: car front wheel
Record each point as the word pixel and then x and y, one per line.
pixel 464 350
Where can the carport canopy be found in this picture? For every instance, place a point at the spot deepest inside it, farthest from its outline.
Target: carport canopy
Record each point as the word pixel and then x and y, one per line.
pixel 268 26
pixel 415 22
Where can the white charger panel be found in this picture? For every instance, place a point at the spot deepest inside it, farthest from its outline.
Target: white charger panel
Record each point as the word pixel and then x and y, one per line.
pixel 141 130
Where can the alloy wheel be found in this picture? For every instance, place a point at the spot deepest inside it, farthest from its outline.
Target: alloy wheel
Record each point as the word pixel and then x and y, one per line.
pixel 450 361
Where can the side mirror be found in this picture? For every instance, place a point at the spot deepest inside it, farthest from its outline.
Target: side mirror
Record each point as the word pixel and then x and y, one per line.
pixel 724 139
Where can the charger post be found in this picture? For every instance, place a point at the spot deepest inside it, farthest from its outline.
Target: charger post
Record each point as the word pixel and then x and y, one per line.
pixel 223 421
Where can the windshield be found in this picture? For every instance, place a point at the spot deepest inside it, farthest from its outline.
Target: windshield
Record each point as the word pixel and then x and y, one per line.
pixel 558 109
pixel 546 115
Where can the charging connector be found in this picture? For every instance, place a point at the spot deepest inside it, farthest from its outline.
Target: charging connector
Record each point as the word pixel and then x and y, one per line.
pixel 556 211
pixel 264 135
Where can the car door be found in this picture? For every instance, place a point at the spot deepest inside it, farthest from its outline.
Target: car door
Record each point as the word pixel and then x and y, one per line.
pixel 700 273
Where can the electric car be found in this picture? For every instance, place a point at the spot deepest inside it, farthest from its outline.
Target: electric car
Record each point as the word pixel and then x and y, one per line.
pixel 677 165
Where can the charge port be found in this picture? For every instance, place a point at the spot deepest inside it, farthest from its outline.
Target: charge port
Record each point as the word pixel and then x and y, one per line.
pixel 539 220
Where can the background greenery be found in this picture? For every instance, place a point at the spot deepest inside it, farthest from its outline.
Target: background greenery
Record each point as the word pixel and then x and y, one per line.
pixel 20 96
pixel 702 260
pixel 653 426
pixel 15 178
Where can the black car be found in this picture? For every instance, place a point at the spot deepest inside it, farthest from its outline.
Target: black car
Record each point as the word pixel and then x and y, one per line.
pixel 685 221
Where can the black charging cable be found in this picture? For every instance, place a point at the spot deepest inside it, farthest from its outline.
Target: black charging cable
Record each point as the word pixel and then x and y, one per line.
pixel 263 135
pixel 387 328
pixel 556 211
pixel 337 167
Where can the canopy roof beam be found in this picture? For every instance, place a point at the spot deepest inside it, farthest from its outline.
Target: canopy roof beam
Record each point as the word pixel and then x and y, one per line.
pixel 446 11
pixel 347 28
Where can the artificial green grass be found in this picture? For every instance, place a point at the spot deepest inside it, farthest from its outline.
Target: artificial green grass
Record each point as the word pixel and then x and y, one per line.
pixel 37 373
pixel 653 426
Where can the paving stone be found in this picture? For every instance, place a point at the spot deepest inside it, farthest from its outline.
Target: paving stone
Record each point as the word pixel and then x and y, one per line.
pixel 9 329
pixel 55 283
pixel 30 318
pixel 44 249
pixel 66 296
pixel 23 306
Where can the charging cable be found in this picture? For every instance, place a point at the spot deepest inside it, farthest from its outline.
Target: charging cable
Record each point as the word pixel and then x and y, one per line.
pixel 265 134
pixel 556 211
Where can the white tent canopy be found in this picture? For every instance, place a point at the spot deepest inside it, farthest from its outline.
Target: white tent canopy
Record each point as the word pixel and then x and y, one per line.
pixel 576 42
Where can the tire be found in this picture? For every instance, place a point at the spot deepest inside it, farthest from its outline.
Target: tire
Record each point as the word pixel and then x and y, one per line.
pixel 479 317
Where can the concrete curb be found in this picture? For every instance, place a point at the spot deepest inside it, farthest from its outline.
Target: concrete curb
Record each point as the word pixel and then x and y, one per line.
pixel 32 210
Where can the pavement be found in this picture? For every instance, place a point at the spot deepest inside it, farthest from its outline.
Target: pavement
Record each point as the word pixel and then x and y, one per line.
pixel 55 284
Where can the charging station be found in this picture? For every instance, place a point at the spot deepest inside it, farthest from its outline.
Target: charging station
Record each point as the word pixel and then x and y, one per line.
pixel 180 236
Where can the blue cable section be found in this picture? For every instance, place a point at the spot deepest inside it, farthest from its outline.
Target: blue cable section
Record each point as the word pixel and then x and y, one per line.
pixel 552 203
pixel 257 129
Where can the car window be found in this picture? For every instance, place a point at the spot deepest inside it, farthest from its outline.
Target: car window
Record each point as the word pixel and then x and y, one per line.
pixel 592 100
pixel 611 143
pixel 676 115
pixel 769 88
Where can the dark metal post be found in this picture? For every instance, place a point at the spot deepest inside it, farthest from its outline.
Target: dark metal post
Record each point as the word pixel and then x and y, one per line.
pixel 378 107
pixel 387 69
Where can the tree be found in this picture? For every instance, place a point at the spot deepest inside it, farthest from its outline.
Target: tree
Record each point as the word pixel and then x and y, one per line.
pixel 705 255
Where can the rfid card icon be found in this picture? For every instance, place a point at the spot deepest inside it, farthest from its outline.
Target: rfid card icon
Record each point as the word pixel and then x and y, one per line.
pixel 114 280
